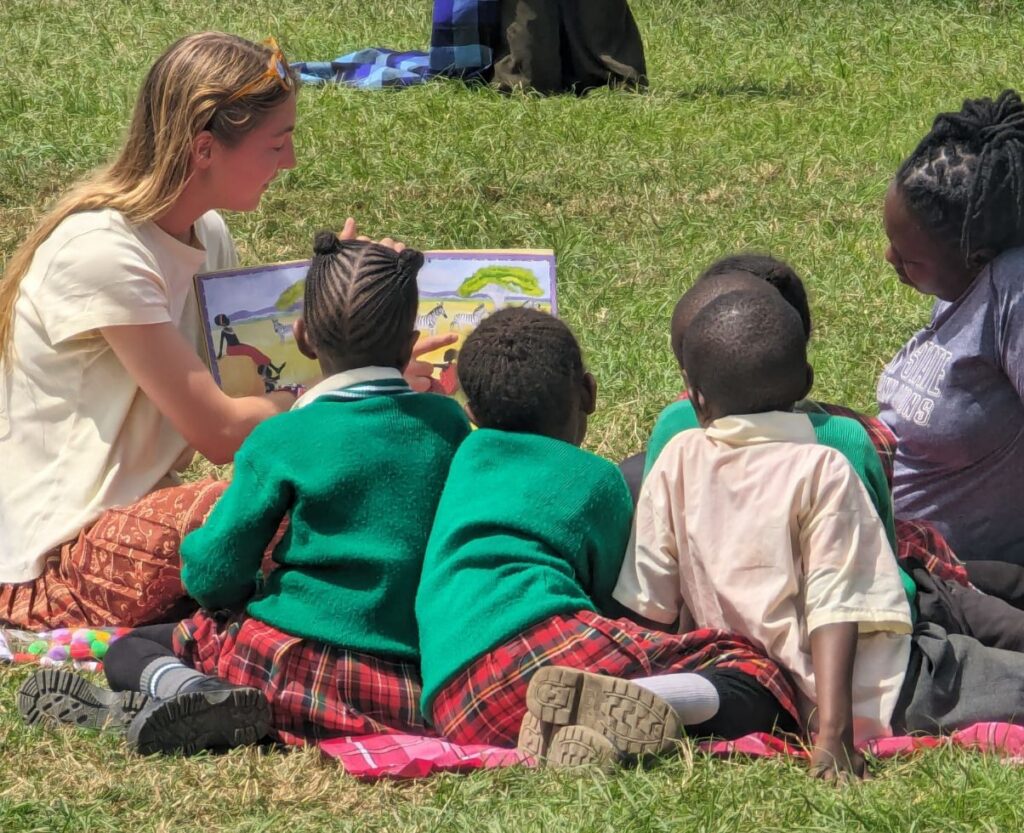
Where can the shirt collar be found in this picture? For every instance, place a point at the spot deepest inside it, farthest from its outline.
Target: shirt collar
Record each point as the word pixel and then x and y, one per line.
pixel 347 378
pixel 769 427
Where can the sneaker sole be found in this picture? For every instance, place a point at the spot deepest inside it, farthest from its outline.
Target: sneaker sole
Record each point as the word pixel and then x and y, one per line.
pixel 634 720
pixel 201 720
pixel 581 746
pixel 55 696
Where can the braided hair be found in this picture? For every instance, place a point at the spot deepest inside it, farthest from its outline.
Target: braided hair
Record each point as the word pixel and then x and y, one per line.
pixel 360 301
pixel 965 180
pixel 521 370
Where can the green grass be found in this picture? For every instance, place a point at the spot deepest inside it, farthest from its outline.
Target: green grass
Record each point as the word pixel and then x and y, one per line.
pixel 772 126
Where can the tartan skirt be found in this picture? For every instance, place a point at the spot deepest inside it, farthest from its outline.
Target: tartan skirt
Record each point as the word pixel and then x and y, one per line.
pixel 485 702
pixel 316 691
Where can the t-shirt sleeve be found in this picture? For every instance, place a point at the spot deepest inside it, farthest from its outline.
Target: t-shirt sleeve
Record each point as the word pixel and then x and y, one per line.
pixel 97 280
pixel 1010 332
pixel 649 579
pixel 851 573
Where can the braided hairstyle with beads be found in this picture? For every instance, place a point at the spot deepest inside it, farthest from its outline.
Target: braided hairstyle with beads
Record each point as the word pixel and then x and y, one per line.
pixel 360 301
pixel 965 180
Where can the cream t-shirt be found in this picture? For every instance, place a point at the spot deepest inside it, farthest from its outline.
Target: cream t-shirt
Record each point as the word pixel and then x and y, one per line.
pixel 751 527
pixel 77 435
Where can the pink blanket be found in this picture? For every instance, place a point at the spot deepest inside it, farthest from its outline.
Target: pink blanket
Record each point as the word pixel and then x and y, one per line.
pixel 409 756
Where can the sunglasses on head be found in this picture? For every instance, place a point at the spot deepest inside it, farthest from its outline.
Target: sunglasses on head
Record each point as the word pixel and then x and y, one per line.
pixel 277 69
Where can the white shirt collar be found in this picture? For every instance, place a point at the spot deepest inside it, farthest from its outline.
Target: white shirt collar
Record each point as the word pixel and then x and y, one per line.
pixel 769 427
pixel 347 378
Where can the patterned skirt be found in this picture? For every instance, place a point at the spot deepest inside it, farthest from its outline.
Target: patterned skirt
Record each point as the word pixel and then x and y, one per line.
pixel 316 691
pixel 485 703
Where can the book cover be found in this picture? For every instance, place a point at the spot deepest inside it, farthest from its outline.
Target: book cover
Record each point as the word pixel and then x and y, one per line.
pixel 247 314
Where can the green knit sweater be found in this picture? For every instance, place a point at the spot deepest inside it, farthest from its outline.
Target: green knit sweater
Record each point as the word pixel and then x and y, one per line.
pixel 528 527
pixel 845 435
pixel 360 479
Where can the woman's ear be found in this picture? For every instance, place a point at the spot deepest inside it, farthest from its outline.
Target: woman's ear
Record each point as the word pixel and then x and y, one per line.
pixel 202 150
pixel 302 338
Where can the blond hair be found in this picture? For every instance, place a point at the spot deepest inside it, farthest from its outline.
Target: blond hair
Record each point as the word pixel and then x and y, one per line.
pixel 187 90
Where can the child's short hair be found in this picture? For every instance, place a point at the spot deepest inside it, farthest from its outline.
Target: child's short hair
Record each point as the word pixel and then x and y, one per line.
pixel 746 353
pixel 521 370
pixel 776 272
pixel 360 301
pixel 701 294
pixel 965 180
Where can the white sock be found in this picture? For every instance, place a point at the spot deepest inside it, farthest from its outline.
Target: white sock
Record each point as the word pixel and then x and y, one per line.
pixel 694 698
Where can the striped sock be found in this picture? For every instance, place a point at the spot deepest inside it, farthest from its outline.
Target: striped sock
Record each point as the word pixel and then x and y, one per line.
pixel 165 677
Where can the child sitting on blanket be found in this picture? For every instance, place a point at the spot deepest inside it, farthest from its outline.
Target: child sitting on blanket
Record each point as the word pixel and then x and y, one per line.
pixel 329 647
pixel 526 547
pixel 753 526
pixel 951 604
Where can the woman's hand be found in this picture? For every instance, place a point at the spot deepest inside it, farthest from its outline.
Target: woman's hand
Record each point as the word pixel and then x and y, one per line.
pixel 350 232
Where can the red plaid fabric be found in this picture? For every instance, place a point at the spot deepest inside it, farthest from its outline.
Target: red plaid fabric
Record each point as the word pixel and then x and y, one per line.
pixel 316 691
pixel 486 702
pixel 123 570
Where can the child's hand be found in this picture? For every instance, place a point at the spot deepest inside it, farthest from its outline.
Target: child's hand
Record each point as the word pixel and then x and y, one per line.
pixel 833 759
pixel 419 373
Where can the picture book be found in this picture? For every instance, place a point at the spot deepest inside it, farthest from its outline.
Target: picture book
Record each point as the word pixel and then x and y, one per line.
pixel 247 314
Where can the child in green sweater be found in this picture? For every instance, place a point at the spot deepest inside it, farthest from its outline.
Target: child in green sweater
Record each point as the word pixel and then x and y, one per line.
pixel 526 547
pixel 329 646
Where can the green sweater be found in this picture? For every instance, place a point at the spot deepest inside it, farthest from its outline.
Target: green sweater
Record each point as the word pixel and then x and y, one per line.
pixel 528 527
pixel 845 435
pixel 360 479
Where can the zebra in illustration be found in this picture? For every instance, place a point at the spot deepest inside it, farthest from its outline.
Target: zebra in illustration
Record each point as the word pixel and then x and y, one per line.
pixel 283 331
pixel 469 319
pixel 427 323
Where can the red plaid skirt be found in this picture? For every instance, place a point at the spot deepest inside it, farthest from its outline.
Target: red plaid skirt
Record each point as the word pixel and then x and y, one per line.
pixel 122 570
pixel 486 702
pixel 316 691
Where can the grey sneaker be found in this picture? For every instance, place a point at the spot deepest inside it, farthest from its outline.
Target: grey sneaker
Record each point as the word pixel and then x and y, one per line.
pixel 635 722
pixel 211 714
pixel 52 696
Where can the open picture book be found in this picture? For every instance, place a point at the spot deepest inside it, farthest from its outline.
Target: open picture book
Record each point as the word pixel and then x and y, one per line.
pixel 247 314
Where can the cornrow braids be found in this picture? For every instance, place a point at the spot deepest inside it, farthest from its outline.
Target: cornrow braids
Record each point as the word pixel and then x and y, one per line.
pixel 360 301
pixel 965 180
pixel 521 370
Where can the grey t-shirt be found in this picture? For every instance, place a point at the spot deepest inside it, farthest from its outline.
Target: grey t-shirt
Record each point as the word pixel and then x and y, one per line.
pixel 952 396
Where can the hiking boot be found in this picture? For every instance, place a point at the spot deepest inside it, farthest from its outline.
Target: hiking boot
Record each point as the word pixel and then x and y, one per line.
pixel 52 696
pixel 209 714
pixel 634 721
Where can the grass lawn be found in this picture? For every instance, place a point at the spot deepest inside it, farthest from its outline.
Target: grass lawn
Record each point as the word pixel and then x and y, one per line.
pixel 771 126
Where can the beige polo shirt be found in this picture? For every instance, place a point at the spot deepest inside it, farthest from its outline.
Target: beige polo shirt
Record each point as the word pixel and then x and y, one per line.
pixel 752 527
pixel 77 435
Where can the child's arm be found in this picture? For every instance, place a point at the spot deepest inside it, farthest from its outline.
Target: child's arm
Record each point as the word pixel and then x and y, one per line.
pixel 833 650
pixel 648 582
pixel 221 559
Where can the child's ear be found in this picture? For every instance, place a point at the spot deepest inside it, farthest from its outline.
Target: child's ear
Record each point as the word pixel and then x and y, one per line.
pixel 302 338
pixel 588 396
pixel 470 415
pixel 809 382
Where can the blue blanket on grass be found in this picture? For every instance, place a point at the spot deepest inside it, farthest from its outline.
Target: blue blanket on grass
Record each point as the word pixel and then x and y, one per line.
pixel 462 41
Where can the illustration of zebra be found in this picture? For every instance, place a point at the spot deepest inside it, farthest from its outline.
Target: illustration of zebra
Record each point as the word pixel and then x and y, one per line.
pixel 426 323
pixel 283 331
pixel 469 319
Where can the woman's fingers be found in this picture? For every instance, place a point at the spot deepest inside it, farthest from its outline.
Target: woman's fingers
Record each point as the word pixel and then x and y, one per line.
pixel 428 344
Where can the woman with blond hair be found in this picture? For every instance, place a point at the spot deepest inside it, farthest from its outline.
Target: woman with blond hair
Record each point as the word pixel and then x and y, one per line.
pixel 103 396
